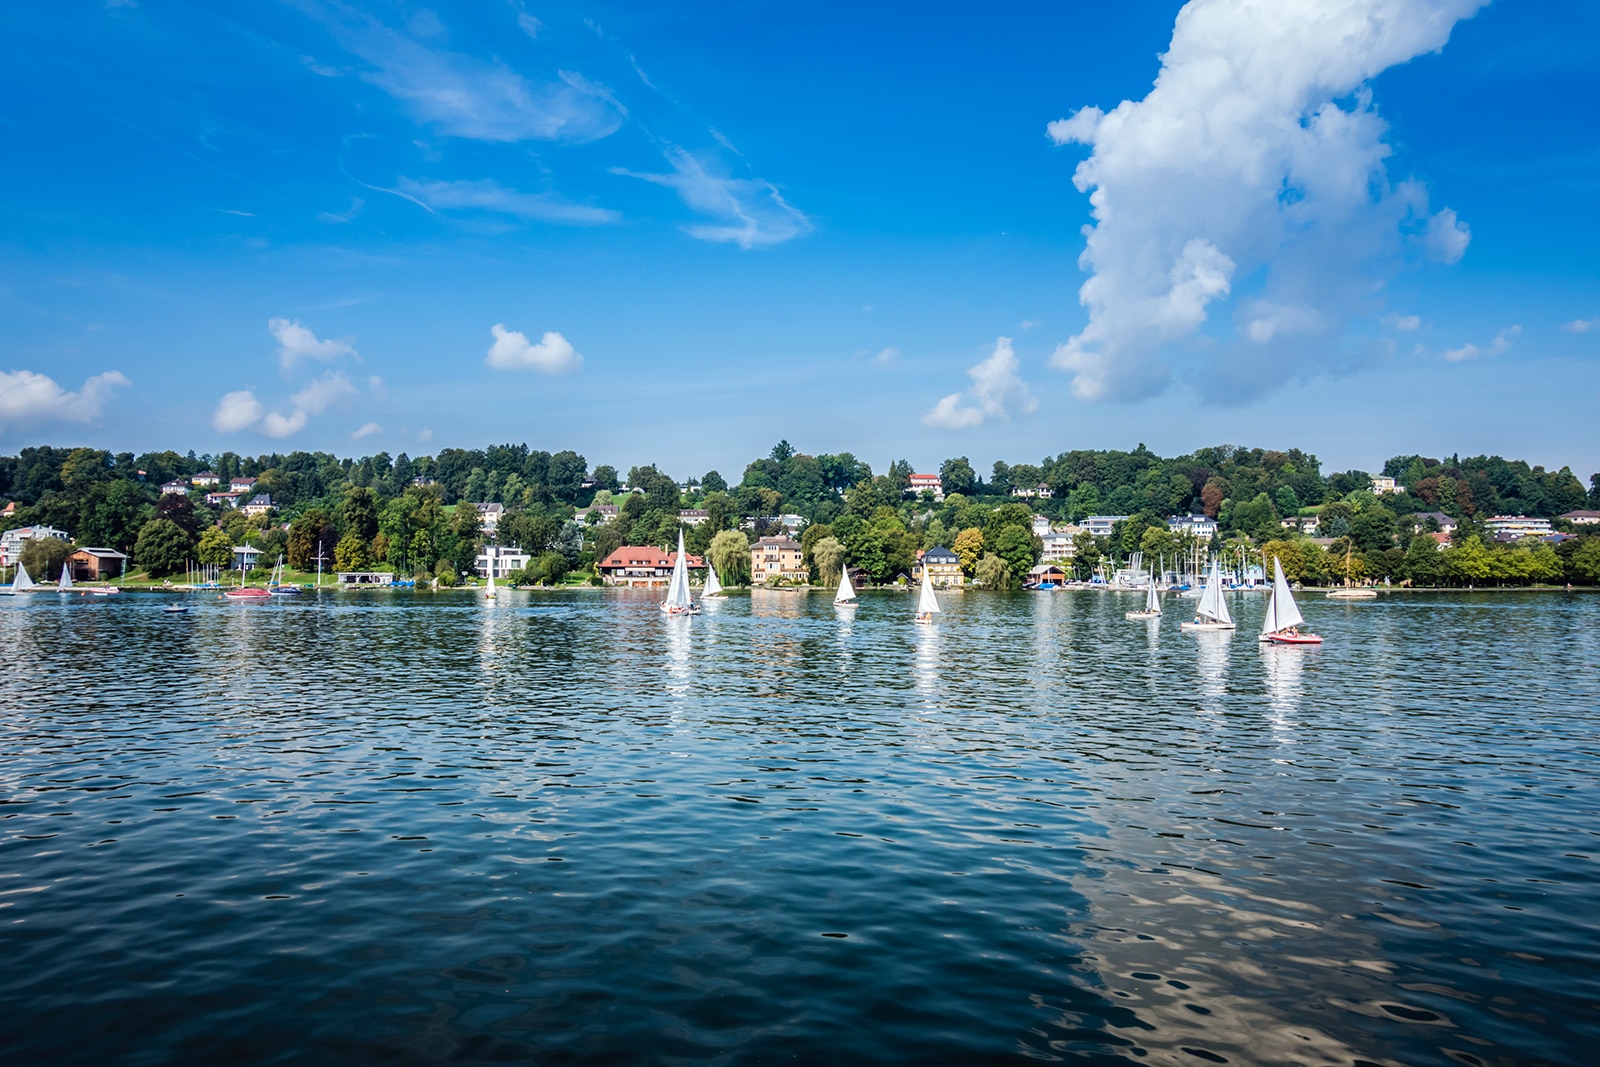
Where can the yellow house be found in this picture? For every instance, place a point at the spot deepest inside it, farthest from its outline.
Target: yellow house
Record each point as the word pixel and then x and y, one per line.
pixel 772 558
pixel 943 567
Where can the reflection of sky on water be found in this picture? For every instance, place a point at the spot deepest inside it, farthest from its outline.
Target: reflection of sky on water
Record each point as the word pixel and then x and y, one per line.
pixel 1283 666
pixel 1212 649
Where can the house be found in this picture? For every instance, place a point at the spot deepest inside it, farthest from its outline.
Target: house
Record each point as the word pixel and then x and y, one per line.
pixel 176 487
pixel 242 484
pixel 942 565
pixel 349 578
pixel 1057 547
pixel 859 578
pixel 1446 524
pixel 489 516
pixel 1041 525
pixel 204 480
pixel 422 481
pixel 772 558
pixel 792 523
pixel 1516 526
pixel 1200 526
pixel 1382 485
pixel 1582 518
pixel 259 504
pixel 1041 491
pixel 1299 523
pixel 1044 573
pixel 930 482
pixel 1441 541
pixel 9 510
pixel 11 541
pixel 642 565
pixel 597 514
pixel 500 560
pixel 246 557
pixel 97 564
pixel 693 516
pixel 1100 525
pixel 223 500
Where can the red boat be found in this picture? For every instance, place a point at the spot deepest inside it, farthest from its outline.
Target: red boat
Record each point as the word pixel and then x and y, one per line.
pixel 1294 639
pixel 249 593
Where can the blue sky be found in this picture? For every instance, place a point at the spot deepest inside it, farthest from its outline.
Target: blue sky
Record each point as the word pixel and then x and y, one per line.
pixel 1361 227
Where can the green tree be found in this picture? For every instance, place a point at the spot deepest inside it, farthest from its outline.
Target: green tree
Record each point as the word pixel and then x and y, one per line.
pixel 1085 556
pixel 351 554
pixel 957 476
pixel 1468 561
pixel 309 535
pixel 993 572
pixel 730 554
pixel 163 547
pixel 45 556
pixel 1257 517
pixel 828 557
pixel 360 513
pixel 1158 544
pixel 1586 560
pixel 216 548
pixel 969 546
pixel 1018 548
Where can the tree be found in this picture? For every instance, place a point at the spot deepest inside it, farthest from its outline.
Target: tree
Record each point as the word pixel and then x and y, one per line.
pixel 782 452
pixel 995 573
pixel 1016 546
pixel 1212 495
pixel 828 556
pixel 216 547
pixel 351 554
pixel 360 513
pixel 181 510
pixel 312 535
pixel 1257 517
pixel 1085 555
pixel 1287 553
pixel 730 554
pixel 1586 560
pixel 969 546
pixel 714 483
pixel 163 547
pixel 957 475
pixel 44 556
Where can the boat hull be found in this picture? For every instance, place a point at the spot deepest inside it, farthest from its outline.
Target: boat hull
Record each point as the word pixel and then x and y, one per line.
pixel 1142 615
pixel 1293 639
pixel 1207 626
pixel 692 609
pixel 1353 594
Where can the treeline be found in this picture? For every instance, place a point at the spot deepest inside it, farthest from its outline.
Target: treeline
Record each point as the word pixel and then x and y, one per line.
pixel 405 514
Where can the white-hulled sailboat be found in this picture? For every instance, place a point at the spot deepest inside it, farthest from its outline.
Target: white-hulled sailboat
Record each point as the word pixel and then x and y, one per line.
pixel 489 591
pixel 846 596
pixel 927 603
pixel 64 583
pixel 1282 624
pixel 713 589
pixel 678 601
pixel 1152 602
pixel 1212 611
pixel 22 582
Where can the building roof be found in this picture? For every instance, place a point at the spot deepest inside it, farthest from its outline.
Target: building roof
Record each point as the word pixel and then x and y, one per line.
pixel 102 553
pixel 241 480
pixel 1579 515
pixel 646 556
pixel 693 513
pixel 490 508
pixel 940 554
pixel 261 500
pixel 785 543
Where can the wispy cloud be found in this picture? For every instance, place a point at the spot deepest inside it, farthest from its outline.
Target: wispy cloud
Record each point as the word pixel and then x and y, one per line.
pixel 887 357
pixel 491 196
pixel 997 391
pixel 1498 346
pixel 1404 323
pixel 297 342
pixel 1256 160
pixel 751 213
pixel 29 397
pixel 367 430
pixel 1582 325
pixel 553 354
pixel 242 410
pixel 356 204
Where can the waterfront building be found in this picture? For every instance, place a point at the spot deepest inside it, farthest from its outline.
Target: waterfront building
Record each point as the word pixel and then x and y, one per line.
pixel 642 565
pixel 774 558
pixel 500 560
pixel 942 566
pixel 1057 547
pixel 246 557
pixel 349 578
pixel 95 564
pixel 11 541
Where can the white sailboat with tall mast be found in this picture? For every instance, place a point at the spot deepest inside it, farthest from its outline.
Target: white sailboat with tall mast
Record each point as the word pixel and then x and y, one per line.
pixel 678 601
pixel 713 589
pixel 64 583
pixel 927 603
pixel 846 596
pixel 1152 602
pixel 489 591
pixel 21 582
pixel 1212 611
pixel 1282 624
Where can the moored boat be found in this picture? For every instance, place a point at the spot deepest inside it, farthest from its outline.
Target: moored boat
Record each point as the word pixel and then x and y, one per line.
pixel 1212 611
pixel 249 593
pixel 1152 602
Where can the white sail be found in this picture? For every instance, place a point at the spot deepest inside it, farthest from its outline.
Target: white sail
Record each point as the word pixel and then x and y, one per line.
pixel 713 587
pixel 678 590
pixel 847 592
pixel 66 575
pixel 927 603
pixel 22 582
pixel 1152 602
pixel 489 592
pixel 1283 612
pixel 1213 605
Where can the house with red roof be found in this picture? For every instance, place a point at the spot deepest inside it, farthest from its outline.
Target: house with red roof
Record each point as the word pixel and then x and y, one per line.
pixel 642 565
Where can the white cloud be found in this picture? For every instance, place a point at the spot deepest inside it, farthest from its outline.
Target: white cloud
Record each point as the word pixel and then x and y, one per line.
pixel 377 387
pixel 1256 160
pixel 367 430
pixel 26 396
pixel 1582 325
pixel 1028 324
pixel 997 392
pixel 887 357
pixel 425 436
pixel 750 212
pixel 297 342
pixel 491 196
pixel 1498 346
pixel 1404 323
pixel 471 98
pixel 236 411
pixel 553 354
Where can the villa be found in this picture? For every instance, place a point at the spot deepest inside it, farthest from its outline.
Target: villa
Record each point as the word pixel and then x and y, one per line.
pixel 642 565
pixel 204 480
pixel 774 558
pixel 942 566
pixel 176 487
pixel 259 504
pixel 11 541
pixel 1201 526
pixel 1100 525
pixel 930 482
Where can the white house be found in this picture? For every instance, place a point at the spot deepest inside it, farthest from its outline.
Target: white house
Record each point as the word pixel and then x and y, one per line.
pixel 1057 547
pixel 693 516
pixel 1041 491
pixel 1583 518
pixel 205 479
pixel 606 513
pixel 1382 485
pixel 489 514
pixel 501 560
pixel 1201 526
pixel 11 541
pixel 176 487
pixel 1041 525
pixel 259 504
pixel 931 482
pixel 1100 525
pixel 1516 526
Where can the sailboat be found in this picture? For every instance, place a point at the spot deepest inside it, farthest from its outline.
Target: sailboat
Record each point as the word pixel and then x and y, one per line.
pixel 1152 602
pixel 276 586
pixel 489 593
pixel 65 582
pixel 678 601
pixel 1351 592
pixel 927 603
pixel 713 589
pixel 1283 614
pixel 846 596
pixel 21 582
pixel 1212 611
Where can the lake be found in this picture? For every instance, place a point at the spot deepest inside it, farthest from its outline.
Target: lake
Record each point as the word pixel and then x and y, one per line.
pixel 413 828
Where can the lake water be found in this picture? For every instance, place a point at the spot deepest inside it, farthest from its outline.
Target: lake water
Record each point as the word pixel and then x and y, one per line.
pixel 405 828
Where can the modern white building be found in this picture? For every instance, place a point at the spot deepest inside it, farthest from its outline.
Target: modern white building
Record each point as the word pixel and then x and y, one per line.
pixel 1202 526
pixel 1057 547
pixel 1100 525
pixel 11 541
pixel 931 482
pixel 501 560
pixel 1516 526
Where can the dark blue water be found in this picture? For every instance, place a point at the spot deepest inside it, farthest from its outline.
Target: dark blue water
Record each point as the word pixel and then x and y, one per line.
pixel 411 829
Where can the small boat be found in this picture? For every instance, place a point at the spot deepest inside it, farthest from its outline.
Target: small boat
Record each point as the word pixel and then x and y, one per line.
pixel 1212 611
pixel 65 582
pixel 1152 602
pixel 103 590
pixel 1351 591
pixel 846 596
pixel 21 582
pixel 678 600
pixel 713 589
pixel 276 586
pixel 1282 624
pixel 927 603
pixel 248 594
pixel 488 593
pixel 174 609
